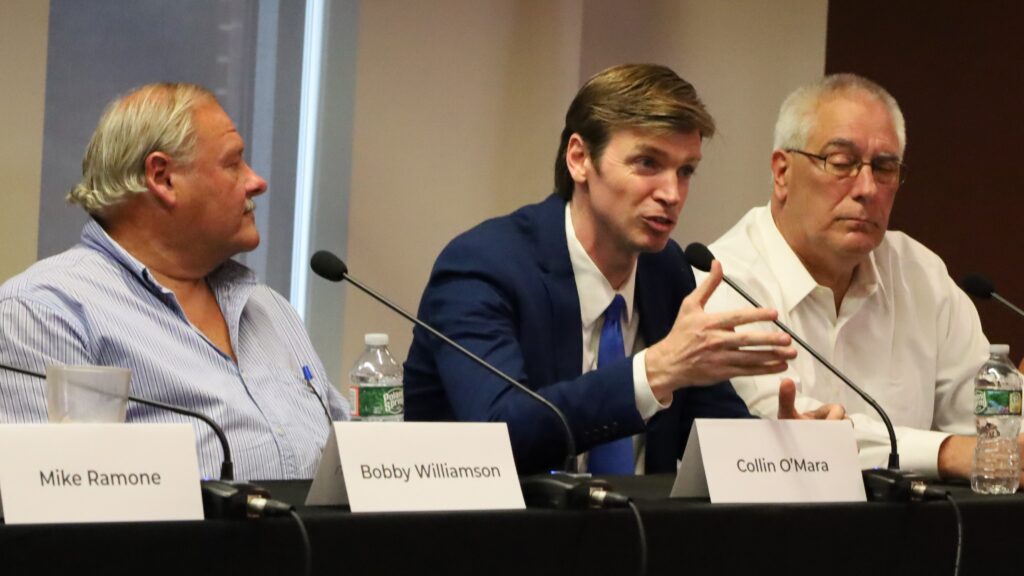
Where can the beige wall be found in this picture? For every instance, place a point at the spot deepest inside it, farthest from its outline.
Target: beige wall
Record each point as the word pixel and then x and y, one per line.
pixel 744 56
pixel 457 113
pixel 459 106
pixel 23 25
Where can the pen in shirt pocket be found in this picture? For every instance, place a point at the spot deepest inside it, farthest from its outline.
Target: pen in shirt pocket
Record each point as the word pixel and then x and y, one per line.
pixel 307 375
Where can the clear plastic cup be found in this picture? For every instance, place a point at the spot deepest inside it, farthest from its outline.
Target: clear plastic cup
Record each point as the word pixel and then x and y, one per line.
pixel 87 393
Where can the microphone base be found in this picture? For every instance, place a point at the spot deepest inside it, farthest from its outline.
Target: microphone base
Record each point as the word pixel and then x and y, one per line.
pixel 229 499
pixel 567 490
pixel 891 485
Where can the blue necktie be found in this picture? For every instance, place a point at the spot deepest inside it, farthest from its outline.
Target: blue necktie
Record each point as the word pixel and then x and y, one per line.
pixel 616 457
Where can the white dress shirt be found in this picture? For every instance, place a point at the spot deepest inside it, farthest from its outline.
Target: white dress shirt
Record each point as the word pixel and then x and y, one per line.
pixel 905 333
pixel 596 294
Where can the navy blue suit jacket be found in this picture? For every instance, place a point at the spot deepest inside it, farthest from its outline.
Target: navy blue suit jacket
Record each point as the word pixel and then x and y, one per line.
pixel 505 290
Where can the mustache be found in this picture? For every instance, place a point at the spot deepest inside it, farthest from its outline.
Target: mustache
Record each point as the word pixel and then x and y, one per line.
pixel 250 205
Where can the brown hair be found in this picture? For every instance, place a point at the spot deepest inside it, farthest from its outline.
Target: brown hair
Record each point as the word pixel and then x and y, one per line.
pixel 645 96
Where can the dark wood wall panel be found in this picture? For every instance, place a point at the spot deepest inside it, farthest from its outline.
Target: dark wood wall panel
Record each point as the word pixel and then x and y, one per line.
pixel 955 67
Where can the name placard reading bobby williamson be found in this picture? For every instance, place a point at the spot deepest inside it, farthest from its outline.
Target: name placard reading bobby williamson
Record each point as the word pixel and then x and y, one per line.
pixel 417 466
pixel 433 471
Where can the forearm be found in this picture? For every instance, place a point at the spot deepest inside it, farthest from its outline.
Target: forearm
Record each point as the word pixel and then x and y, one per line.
pixel 919 450
pixel 956 455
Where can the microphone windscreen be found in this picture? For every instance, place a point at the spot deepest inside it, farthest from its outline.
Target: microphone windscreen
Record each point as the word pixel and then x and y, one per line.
pixel 329 266
pixel 978 286
pixel 699 256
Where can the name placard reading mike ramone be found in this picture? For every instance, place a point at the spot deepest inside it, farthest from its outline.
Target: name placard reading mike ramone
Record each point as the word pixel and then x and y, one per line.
pixel 750 461
pixel 417 466
pixel 61 473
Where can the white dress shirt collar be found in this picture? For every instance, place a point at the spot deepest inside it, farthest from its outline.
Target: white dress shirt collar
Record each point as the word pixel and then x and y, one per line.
pixel 795 282
pixel 595 292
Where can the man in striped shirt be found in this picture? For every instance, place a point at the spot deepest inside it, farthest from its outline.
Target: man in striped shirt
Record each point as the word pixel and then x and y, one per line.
pixel 152 287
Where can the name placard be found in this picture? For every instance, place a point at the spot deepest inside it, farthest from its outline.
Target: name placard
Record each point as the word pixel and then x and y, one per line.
pixel 62 473
pixel 417 466
pixel 749 461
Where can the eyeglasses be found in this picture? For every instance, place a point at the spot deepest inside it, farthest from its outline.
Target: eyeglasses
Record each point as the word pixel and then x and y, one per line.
pixel 886 171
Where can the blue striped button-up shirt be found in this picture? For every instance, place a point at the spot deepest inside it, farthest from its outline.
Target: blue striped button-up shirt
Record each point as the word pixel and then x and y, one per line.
pixel 96 304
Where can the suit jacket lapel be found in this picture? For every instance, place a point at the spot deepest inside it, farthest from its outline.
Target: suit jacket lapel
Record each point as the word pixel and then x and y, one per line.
pixel 553 255
pixel 655 320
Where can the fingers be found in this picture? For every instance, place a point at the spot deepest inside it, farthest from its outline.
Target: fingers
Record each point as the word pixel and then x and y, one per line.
pixel 787 406
pixel 751 339
pixel 787 400
pixel 746 347
pixel 703 292
pixel 752 359
pixel 703 348
pixel 827 412
pixel 724 320
pixel 837 412
pixel 733 318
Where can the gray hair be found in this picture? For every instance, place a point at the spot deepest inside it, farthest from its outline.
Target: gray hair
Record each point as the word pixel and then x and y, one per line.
pixel 152 118
pixel 796 116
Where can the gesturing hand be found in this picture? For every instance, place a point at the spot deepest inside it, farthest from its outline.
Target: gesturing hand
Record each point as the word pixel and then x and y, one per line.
pixel 787 406
pixel 704 348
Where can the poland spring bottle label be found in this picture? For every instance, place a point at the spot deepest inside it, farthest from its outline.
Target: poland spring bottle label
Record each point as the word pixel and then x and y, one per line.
pixel 992 402
pixel 379 401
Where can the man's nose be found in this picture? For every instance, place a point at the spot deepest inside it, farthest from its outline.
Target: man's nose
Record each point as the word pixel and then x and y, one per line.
pixel 864 184
pixel 257 185
pixel 671 190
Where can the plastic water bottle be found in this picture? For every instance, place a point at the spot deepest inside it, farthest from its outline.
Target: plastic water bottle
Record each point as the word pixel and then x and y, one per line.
pixel 997 404
pixel 377 383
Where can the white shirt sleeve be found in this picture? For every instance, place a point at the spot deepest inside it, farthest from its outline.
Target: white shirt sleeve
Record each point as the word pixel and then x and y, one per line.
pixel 646 404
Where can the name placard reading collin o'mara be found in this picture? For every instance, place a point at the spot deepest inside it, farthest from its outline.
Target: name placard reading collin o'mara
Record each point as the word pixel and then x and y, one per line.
pixel 60 473
pixel 417 466
pixel 770 461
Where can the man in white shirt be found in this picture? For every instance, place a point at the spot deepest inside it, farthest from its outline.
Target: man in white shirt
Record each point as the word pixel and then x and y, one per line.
pixel 879 305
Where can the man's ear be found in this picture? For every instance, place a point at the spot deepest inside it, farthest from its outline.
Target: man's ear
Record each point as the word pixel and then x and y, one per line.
pixel 159 168
pixel 577 158
pixel 780 176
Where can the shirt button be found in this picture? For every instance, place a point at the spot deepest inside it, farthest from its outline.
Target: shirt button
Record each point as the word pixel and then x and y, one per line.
pixel 280 431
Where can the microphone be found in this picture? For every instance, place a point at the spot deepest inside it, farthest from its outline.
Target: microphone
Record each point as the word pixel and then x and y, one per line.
pixel 227 467
pixel 982 288
pixel 330 267
pixel 559 489
pixel 887 484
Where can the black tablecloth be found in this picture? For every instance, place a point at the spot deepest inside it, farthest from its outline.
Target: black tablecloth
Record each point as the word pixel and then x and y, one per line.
pixel 685 537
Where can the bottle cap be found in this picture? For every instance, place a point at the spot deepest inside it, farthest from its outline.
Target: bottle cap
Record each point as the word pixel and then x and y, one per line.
pixel 376 339
pixel 1003 349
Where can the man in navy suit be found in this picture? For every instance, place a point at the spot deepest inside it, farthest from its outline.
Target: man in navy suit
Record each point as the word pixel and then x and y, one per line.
pixel 528 292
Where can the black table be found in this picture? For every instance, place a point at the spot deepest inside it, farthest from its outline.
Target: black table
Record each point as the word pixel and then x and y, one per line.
pixel 685 537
